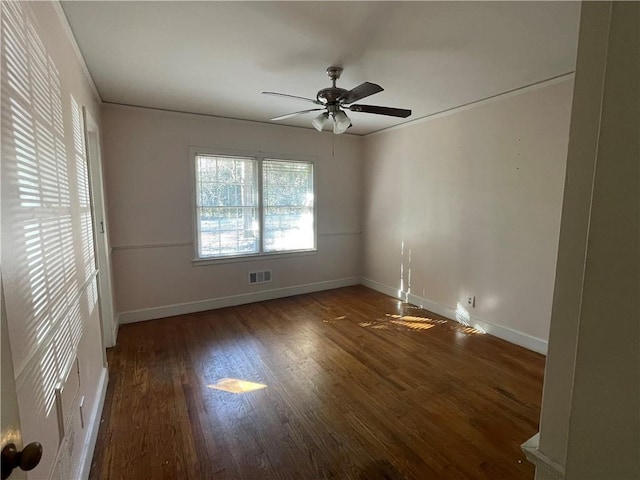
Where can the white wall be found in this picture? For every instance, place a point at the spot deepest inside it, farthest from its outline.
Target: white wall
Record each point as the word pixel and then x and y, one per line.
pixel 47 251
pixel 469 203
pixel 147 173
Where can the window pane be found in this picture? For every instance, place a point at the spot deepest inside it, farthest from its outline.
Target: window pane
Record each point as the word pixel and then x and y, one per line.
pixel 227 206
pixel 288 205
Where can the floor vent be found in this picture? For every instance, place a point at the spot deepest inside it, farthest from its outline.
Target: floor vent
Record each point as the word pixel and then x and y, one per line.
pixel 260 277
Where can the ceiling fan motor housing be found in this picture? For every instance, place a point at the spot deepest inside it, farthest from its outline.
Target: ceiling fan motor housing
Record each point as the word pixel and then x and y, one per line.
pixel 330 95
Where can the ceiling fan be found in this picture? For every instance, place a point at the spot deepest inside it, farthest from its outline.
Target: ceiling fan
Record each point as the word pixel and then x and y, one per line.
pixel 335 100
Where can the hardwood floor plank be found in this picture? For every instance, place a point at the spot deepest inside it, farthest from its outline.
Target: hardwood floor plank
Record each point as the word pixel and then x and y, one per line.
pixel 358 387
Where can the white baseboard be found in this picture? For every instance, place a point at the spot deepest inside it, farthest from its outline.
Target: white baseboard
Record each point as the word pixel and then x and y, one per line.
pixel 513 336
pixel 381 287
pixel 231 301
pixel 546 468
pixel 94 425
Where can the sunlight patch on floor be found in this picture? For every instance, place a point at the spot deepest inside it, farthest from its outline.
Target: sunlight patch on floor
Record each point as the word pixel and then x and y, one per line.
pixel 334 320
pixel 467 329
pixel 413 325
pixel 375 325
pixel 403 321
pixel 234 385
pixel 413 322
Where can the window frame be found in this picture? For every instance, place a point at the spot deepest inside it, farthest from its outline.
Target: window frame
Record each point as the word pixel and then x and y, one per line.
pixel 259 158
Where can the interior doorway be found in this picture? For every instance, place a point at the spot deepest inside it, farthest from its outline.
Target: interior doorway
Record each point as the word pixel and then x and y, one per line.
pixel 109 323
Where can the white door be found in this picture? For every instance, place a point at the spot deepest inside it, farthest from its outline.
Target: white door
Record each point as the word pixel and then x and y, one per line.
pixel 10 422
pixel 48 258
pixel 101 236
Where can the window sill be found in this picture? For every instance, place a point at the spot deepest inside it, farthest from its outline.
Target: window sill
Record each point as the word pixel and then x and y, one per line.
pixel 202 262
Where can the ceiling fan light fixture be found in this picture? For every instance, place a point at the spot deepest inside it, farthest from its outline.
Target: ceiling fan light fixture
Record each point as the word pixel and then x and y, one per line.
pixel 340 122
pixel 320 121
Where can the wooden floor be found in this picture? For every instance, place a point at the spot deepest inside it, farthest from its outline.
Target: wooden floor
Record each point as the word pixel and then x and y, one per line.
pixel 358 386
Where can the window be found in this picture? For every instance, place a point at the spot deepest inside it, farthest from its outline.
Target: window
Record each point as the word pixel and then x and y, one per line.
pixel 252 205
pixel 288 205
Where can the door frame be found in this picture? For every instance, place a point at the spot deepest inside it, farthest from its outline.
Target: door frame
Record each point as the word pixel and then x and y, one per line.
pixel 108 320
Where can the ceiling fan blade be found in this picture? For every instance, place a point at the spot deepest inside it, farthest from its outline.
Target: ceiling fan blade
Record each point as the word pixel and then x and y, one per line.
pixel 361 91
pixel 276 94
pixel 295 113
pixel 392 112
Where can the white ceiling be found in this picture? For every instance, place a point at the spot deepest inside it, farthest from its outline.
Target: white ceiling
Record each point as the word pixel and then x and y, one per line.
pixel 216 57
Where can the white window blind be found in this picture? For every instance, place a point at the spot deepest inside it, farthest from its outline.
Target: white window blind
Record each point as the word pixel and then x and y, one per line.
pixel 227 206
pixel 288 205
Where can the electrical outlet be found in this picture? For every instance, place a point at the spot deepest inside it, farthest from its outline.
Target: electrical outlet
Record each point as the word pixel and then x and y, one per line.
pixel 471 301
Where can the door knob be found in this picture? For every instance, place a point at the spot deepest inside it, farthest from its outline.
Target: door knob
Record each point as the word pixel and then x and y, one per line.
pixel 27 459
